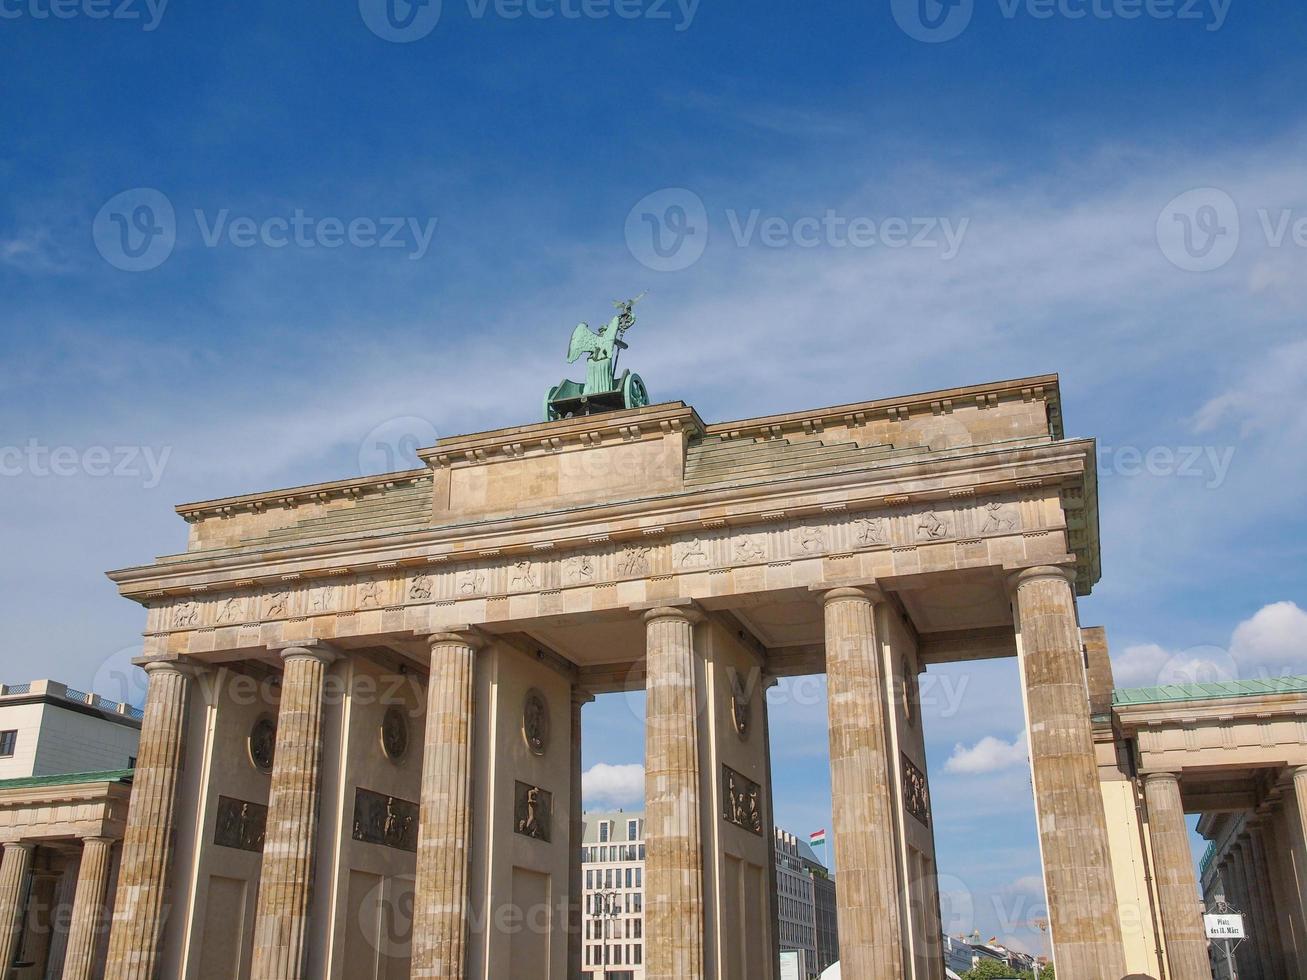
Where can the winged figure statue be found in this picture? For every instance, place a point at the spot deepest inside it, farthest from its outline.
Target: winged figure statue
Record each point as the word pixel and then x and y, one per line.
pixel 602 347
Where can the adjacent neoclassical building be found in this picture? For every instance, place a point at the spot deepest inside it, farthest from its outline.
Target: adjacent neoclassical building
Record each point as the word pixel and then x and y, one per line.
pixel 360 752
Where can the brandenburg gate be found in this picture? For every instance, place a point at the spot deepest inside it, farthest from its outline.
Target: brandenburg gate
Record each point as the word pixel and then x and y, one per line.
pixel 360 755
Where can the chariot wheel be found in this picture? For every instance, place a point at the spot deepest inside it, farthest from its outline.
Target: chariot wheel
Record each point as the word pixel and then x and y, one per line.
pixel 634 393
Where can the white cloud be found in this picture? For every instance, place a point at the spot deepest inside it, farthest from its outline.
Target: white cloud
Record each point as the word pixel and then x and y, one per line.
pixel 1151 665
pixel 990 754
pixel 1271 642
pixel 605 785
pixel 1273 639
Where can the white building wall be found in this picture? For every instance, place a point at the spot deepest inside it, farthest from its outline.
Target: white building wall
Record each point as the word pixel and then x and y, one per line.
pixel 57 731
pixel 25 720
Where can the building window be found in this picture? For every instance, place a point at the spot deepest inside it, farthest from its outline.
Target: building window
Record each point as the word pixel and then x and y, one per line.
pixel 589 878
pixel 632 829
pixel 603 831
pixel 8 740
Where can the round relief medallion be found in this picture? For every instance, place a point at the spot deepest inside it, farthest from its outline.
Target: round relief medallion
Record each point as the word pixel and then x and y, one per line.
pixel 535 722
pixel 909 693
pixel 262 744
pixel 394 734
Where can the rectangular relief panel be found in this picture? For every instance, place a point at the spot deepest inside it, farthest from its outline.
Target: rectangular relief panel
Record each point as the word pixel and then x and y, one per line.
pixel 241 824
pixel 742 802
pixel 533 812
pixel 385 820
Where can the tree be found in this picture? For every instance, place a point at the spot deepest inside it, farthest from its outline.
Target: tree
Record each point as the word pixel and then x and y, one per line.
pixel 994 970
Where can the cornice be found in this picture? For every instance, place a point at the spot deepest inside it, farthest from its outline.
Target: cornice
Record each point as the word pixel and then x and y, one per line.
pixel 1057 465
pixel 1044 387
pixel 545 438
pixel 294 496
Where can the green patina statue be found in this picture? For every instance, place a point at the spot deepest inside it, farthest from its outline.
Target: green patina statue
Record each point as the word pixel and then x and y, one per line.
pixel 602 390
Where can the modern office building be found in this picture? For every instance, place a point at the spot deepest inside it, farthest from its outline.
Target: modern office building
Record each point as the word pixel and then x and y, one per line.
pixel 613 903
pixel 48 728
pixel 805 904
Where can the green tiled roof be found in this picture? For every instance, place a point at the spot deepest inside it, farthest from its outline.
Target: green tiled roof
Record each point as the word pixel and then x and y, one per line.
pixel 67 778
pixel 1209 691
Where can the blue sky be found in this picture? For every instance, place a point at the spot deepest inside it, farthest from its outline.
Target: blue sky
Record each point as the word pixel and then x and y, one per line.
pixel 1052 164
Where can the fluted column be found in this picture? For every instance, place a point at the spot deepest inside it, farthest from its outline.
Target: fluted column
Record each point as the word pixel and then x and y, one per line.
pixel 1177 885
pixel 673 844
pixel 88 909
pixel 136 935
pixel 1271 923
pixel 1300 797
pixel 863 810
pixel 1086 932
pixel 286 876
pixel 1249 963
pixel 440 909
pixel 60 921
pixel 575 892
pixel 14 867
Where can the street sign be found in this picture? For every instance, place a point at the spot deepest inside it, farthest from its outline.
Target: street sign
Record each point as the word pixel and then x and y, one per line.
pixel 1226 926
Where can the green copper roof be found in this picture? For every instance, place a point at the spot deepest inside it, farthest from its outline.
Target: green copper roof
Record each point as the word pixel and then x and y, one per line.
pixel 68 778
pixel 1209 691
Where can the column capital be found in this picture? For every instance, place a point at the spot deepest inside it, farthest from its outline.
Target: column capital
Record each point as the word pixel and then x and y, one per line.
pixel 312 649
pixel 462 634
pixel 185 666
pixel 97 839
pixel 687 611
pixel 21 845
pixel 869 591
pixel 1018 577
pixel 1160 776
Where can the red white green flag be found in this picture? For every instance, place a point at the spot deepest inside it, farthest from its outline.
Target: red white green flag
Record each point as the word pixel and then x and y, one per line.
pixel 817 837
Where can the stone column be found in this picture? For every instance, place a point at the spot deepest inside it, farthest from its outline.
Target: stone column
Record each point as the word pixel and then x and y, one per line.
pixel 1083 923
pixel 1249 964
pixel 862 797
pixel 136 937
pixel 1300 797
pixel 14 868
pixel 1177 885
pixel 281 916
pixel 88 909
pixel 575 891
pixel 440 909
pixel 1257 841
pixel 673 871
pixel 1265 931
pixel 59 922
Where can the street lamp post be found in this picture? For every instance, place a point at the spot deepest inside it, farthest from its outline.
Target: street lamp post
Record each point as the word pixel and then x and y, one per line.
pixel 607 908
